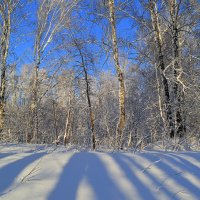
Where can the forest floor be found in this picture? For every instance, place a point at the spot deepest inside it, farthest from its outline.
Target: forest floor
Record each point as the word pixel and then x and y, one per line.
pixel 36 172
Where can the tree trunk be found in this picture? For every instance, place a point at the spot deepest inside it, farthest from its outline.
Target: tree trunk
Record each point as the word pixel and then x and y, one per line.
pixel 121 122
pixel 90 108
pixel 34 106
pixel 168 119
pixel 180 128
pixel 55 132
pixel 5 39
pixel 91 114
pixel 68 123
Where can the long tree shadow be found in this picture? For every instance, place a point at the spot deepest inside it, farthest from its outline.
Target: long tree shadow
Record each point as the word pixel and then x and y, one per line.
pixel 142 188
pixel 182 163
pixel 184 167
pixel 166 166
pixel 143 191
pixel 4 155
pixel 89 166
pixel 187 164
pixel 195 155
pixel 9 172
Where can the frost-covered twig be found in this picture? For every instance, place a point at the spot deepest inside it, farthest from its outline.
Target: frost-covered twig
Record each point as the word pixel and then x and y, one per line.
pixel 151 164
pixel 33 170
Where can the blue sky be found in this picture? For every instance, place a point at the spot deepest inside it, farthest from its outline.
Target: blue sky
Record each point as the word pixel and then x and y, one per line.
pixel 22 39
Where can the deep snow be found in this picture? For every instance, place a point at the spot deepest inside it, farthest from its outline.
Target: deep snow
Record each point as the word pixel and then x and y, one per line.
pixel 29 172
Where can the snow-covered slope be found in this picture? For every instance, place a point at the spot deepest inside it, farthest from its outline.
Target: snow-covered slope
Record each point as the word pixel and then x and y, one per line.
pixel 46 173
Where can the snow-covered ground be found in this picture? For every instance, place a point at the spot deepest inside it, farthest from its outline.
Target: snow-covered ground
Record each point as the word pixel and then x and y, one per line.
pixel 29 172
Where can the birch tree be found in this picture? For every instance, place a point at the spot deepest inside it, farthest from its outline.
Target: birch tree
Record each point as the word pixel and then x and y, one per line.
pixel 120 74
pixel 6 9
pixel 51 18
pixel 166 109
pixel 174 9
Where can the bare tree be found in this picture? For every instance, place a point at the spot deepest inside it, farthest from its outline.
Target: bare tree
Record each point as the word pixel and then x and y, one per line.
pixel 166 109
pixel 6 9
pixel 120 74
pixel 174 9
pixel 83 65
pixel 69 117
pixel 51 18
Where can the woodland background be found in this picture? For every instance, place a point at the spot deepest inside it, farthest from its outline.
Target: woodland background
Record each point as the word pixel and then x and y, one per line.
pixel 117 74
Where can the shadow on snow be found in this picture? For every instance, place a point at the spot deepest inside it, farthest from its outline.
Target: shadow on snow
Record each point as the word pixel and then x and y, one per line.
pixel 89 166
pixel 9 172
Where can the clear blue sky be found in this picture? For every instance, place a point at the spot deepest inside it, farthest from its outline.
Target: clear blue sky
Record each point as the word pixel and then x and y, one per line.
pixel 23 37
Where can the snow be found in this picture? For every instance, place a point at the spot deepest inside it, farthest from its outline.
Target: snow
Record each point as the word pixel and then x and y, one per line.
pixel 38 172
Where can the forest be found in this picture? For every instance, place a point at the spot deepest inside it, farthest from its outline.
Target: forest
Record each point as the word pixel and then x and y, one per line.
pixel 117 74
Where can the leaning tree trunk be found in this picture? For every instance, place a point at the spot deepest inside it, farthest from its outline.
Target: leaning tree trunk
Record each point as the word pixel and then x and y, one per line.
pixel 180 128
pixel 91 114
pixel 5 11
pixel 167 108
pixel 90 108
pixel 121 122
